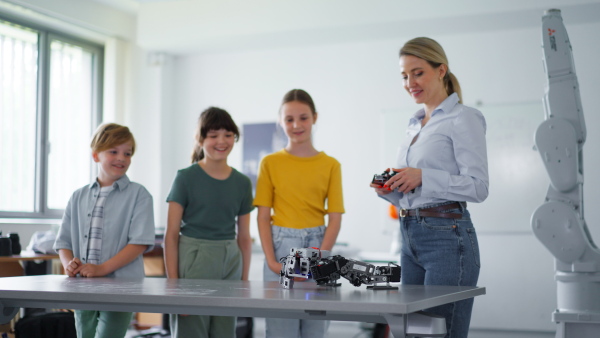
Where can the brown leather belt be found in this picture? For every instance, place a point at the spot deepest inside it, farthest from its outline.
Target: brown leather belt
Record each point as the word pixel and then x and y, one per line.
pixel 435 211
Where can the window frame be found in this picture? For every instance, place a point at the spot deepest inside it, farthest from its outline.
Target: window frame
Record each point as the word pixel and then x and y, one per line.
pixel 46 36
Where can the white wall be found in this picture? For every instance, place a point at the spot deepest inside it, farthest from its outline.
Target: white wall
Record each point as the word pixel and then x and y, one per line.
pixel 153 119
pixel 355 87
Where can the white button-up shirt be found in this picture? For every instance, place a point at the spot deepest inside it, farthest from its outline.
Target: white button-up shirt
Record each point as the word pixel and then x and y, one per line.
pixel 451 152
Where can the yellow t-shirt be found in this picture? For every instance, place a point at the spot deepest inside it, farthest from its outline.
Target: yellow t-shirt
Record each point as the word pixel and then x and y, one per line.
pixel 299 189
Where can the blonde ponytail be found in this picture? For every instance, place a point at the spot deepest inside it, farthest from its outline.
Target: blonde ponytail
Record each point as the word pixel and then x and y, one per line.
pixel 452 85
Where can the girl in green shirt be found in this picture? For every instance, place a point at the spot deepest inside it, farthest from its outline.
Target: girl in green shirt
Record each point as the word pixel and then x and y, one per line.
pixel 206 201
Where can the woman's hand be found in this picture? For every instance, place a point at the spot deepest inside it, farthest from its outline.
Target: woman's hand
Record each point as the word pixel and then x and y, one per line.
pixel 405 180
pixel 380 190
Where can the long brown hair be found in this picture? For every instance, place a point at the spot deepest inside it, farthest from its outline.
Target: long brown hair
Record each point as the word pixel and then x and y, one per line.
pixel 432 52
pixel 212 118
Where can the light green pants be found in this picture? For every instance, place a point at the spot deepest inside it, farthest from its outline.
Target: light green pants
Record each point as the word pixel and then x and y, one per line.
pixel 206 259
pixel 102 324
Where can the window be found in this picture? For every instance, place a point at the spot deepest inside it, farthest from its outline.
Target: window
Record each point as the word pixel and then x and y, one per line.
pixel 50 94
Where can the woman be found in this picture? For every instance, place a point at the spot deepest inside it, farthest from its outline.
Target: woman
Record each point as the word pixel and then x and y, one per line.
pixel 442 165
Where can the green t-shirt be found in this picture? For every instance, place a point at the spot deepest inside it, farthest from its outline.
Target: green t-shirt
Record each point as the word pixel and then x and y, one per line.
pixel 210 206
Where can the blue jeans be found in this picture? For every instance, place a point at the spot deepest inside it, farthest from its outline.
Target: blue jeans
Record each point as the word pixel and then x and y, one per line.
pixel 442 251
pixel 283 240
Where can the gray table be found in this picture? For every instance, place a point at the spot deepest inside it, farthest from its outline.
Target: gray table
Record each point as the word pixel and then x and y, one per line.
pixel 398 308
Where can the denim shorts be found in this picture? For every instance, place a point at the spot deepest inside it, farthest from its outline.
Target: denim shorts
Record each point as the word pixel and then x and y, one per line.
pixel 442 251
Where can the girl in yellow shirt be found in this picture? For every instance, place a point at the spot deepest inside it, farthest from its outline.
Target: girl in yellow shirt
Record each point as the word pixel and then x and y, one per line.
pixel 296 187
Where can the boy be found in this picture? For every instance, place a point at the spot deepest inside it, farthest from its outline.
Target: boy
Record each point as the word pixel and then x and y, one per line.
pixel 106 227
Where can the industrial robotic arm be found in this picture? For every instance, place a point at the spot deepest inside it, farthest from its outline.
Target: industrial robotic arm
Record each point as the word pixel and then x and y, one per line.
pixel 326 270
pixel 559 223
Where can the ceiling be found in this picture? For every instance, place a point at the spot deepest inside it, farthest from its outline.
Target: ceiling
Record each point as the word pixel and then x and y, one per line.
pixel 191 26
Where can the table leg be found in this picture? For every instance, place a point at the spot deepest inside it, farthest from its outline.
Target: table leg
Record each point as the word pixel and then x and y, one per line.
pixel 397 324
pixel 416 324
